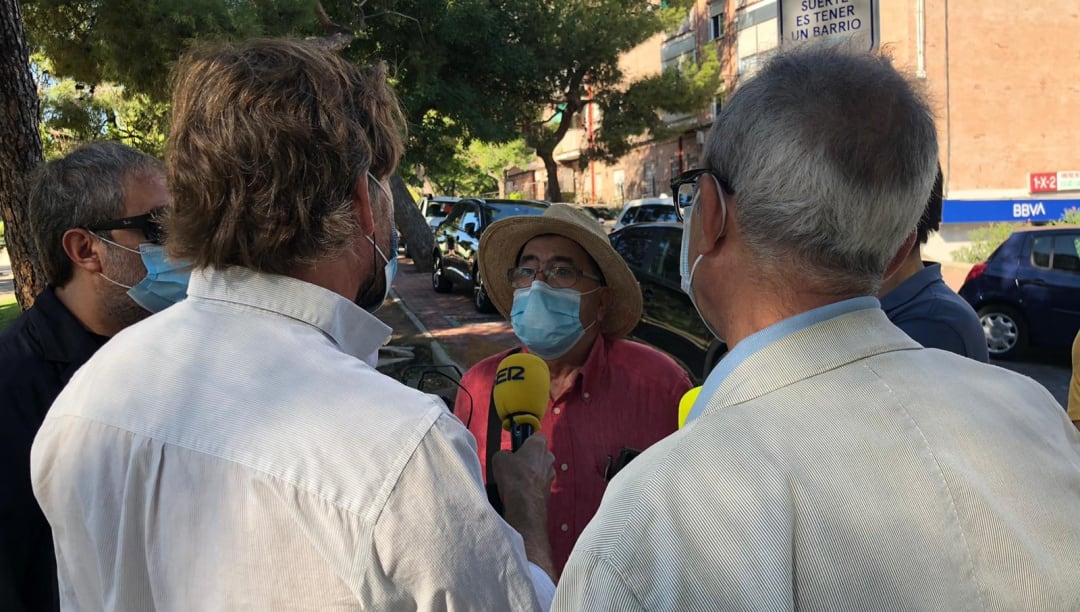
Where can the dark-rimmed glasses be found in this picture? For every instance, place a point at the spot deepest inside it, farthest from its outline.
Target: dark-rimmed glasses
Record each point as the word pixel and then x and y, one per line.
pixel 685 188
pixel 558 277
pixel 149 224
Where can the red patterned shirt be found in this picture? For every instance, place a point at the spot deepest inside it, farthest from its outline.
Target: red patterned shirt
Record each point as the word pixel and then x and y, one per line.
pixel 626 395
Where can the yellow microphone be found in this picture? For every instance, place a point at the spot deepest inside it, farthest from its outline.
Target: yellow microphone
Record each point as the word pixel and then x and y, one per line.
pixel 522 388
pixel 686 404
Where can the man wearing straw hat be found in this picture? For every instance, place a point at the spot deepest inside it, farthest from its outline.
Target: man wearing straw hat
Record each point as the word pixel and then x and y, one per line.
pixel 571 298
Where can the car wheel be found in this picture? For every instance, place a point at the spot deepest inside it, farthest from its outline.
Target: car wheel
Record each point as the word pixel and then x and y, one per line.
pixel 480 297
pixel 1006 331
pixel 439 282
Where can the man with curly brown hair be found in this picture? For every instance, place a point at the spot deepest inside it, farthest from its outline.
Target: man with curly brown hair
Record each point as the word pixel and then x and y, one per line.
pixel 240 451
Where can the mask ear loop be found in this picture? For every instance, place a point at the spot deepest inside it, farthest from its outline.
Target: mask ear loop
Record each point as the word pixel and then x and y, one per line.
pixel 120 246
pixel 723 208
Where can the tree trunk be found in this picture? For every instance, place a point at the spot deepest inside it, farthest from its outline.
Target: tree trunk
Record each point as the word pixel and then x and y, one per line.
pixel 554 192
pixel 20 151
pixel 412 225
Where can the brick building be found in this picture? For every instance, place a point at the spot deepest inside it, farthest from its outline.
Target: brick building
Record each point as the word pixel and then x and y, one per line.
pixel 1002 78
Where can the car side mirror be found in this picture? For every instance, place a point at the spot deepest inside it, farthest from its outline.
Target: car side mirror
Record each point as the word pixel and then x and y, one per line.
pixel 470 228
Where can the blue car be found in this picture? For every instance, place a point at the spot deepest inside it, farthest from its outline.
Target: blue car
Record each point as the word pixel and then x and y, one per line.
pixel 1028 292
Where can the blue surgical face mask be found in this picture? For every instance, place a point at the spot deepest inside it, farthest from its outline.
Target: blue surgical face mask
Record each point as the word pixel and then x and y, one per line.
pixel 548 320
pixel 166 280
pixel 390 265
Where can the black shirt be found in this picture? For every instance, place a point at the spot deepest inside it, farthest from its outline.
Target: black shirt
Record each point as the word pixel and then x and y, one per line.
pixel 39 353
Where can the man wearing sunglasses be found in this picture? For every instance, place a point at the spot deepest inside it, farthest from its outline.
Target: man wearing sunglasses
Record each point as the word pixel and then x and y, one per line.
pixel 830 462
pixel 571 299
pixel 89 212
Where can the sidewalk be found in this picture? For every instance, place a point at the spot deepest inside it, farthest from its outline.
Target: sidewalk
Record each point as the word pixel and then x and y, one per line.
pixel 7 281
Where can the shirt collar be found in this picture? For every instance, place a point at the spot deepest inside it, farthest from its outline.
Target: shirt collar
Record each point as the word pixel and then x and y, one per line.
pixel 762 338
pixel 354 330
pixel 912 286
pixel 594 368
pixel 63 338
pixel 596 363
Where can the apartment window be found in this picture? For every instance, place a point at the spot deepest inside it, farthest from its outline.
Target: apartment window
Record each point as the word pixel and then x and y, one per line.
pixel 716 20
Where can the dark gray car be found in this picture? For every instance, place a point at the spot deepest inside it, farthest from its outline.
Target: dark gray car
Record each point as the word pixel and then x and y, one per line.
pixel 457 243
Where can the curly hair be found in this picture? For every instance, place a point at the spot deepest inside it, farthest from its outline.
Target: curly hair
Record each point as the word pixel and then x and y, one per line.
pixel 268 140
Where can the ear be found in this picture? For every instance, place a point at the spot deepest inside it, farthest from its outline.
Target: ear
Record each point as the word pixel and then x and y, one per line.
pixel 362 206
pixel 901 255
pixel 83 249
pixel 714 213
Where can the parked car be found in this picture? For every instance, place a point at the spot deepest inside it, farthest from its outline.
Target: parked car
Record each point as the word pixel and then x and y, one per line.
pixel 645 210
pixel 434 209
pixel 1028 292
pixel 604 214
pixel 457 242
pixel 669 320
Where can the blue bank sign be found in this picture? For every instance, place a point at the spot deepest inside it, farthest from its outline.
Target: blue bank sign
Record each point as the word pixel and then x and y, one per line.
pixel 1018 209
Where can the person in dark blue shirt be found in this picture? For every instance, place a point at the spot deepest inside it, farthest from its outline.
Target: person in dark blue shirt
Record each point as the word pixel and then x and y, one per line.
pixel 918 301
pixel 88 214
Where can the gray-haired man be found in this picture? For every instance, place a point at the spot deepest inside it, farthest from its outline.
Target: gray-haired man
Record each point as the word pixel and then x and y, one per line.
pixel 89 213
pixel 831 463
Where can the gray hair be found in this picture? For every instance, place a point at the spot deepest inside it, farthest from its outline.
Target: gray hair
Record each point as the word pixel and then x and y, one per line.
pixel 84 188
pixel 831 154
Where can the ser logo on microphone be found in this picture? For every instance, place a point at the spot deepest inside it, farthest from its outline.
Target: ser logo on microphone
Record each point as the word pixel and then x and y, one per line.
pixel 509 373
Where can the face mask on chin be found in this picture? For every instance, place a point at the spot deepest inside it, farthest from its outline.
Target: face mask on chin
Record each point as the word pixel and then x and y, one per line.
pixel 365 298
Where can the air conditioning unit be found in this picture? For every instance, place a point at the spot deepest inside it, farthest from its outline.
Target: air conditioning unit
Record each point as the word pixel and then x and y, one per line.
pixel 700 137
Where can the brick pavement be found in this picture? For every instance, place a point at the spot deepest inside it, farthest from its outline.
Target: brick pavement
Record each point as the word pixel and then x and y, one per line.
pixel 466 335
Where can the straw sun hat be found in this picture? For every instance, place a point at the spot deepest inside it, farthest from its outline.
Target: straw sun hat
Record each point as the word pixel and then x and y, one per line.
pixel 502 242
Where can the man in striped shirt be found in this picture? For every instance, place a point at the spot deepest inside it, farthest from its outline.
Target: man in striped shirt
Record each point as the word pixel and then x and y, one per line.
pixel 830 462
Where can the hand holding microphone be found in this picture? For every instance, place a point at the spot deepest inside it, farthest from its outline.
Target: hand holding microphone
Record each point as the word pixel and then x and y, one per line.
pixel 521 391
pixel 520 395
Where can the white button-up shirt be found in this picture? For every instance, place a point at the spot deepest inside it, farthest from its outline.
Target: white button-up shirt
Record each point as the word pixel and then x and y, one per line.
pixel 239 452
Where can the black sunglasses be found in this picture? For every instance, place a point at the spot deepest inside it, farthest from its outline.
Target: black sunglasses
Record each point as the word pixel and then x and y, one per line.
pixel 149 224
pixel 685 187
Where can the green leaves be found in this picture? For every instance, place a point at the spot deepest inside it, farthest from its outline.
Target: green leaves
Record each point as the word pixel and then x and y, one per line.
pixel 134 42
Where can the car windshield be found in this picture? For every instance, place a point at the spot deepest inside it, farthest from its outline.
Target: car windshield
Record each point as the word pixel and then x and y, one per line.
pixel 656 212
pixel 501 210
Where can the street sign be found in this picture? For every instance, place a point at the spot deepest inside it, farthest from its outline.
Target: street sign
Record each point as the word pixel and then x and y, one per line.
pixel 858 21
pixel 1050 182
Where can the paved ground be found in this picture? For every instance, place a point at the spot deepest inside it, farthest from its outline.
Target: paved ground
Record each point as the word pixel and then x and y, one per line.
pixel 467 335
pixel 7 282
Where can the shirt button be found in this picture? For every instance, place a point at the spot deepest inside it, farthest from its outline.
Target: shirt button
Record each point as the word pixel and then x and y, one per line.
pixel 565 527
pixel 564 467
pixel 557 410
pixel 585 395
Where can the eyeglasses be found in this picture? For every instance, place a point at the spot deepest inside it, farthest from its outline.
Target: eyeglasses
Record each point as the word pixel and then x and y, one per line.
pixel 149 224
pixel 686 188
pixel 558 277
